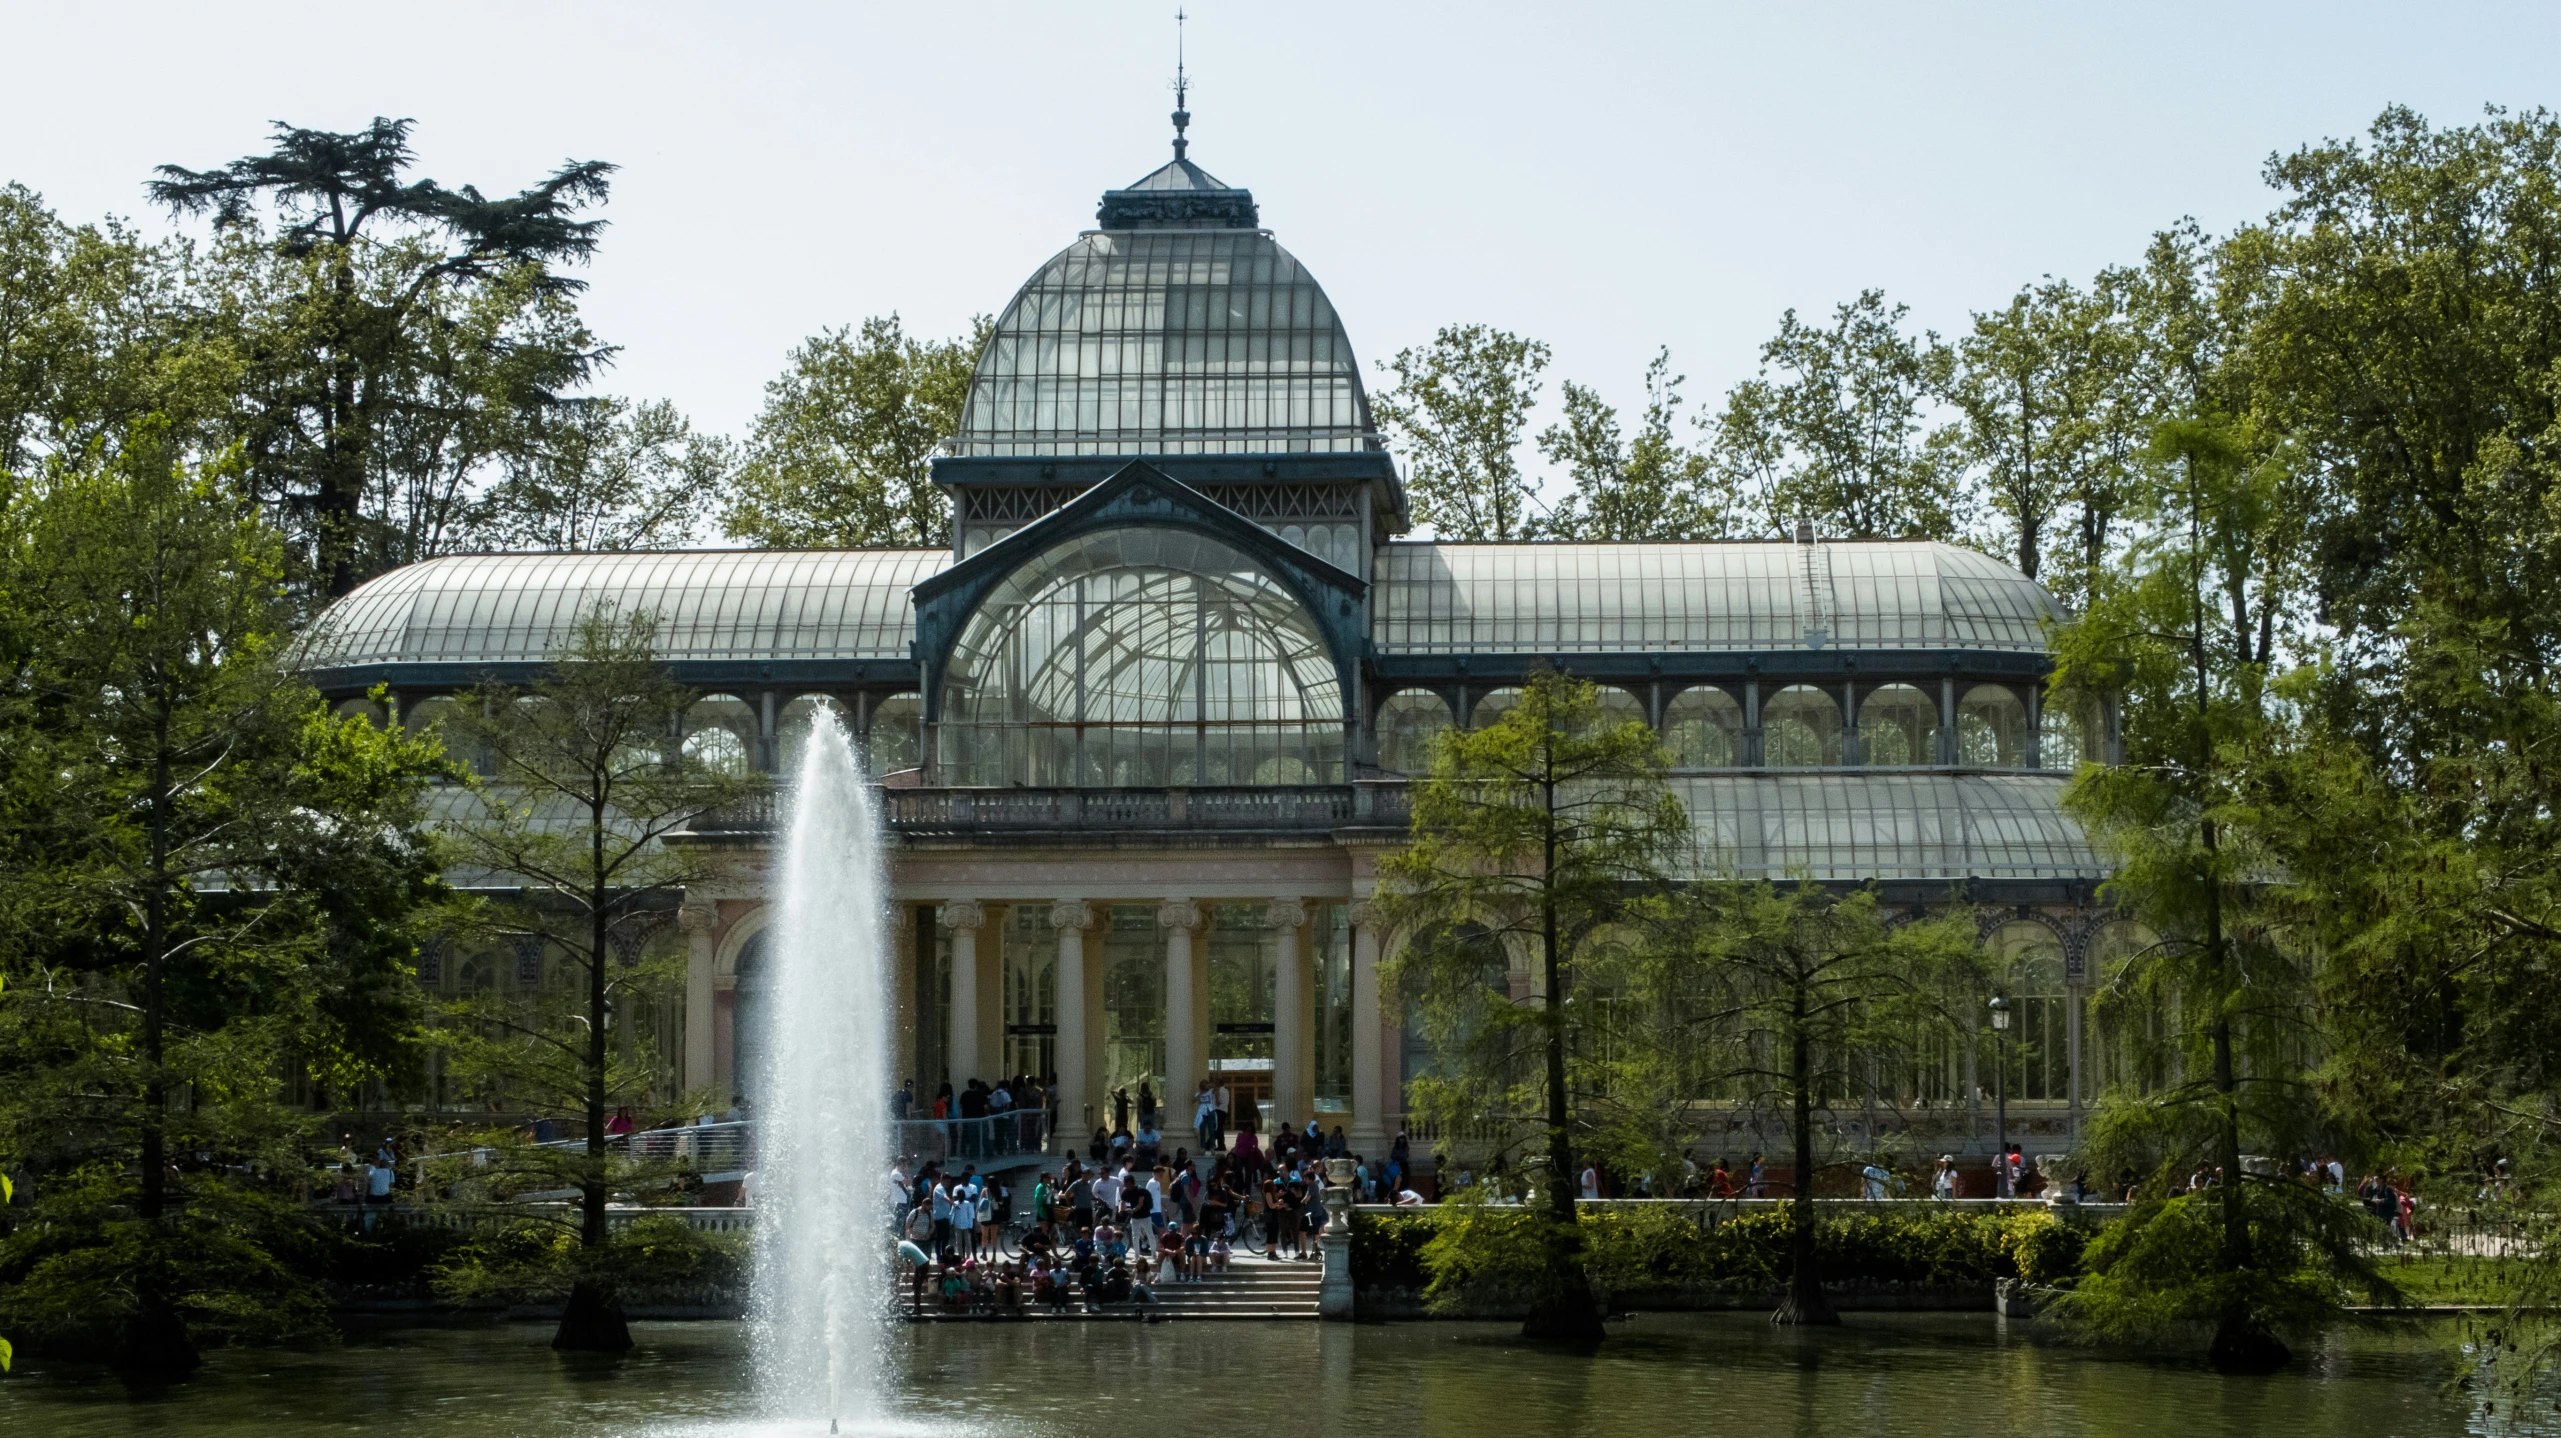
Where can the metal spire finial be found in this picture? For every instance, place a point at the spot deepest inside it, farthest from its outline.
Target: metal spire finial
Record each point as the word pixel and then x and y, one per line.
pixel 1182 88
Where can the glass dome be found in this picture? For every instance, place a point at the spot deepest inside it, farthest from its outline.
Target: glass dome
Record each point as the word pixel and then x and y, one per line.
pixel 1140 657
pixel 1167 341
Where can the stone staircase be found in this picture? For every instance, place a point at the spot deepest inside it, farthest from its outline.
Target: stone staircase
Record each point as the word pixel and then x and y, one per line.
pixel 1252 1287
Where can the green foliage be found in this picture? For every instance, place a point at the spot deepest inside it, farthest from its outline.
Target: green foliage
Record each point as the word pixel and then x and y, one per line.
pixel 603 474
pixel 583 789
pixel 2164 1265
pixel 536 1261
pixel 841 455
pixel 1457 413
pixel 1474 1255
pixel 1650 488
pixel 351 379
pixel 1536 840
pixel 235 1263
pixel 1836 437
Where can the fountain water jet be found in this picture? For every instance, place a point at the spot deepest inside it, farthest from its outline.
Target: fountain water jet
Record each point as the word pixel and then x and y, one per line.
pixel 823 1265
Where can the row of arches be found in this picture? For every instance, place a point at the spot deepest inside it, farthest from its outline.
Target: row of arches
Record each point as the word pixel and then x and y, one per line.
pixel 1799 726
pixel 730 733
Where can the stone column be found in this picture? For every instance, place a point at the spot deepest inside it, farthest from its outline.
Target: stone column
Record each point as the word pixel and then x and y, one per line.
pixel 1292 1063
pixel 1368 1135
pixel 1071 918
pixel 964 919
pixel 1183 1059
pixel 700 919
pixel 1947 721
pixel 1334 1295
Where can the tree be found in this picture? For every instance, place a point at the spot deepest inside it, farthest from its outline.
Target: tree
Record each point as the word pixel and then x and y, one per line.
pixel 842 454
pixel 1650 488
pixel 208 874
pixel 604 474
pixel 1458 411
pixel 2042 385
pixel 585 786
pixel 1537 835
pixel 362 247
pixel 1791 999
pixel 2186 633
pixel 1836 440
pixel 88 316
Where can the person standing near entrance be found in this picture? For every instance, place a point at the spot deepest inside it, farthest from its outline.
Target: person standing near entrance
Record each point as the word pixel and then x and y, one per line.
pixel 1205 1118
pixel 1226 1115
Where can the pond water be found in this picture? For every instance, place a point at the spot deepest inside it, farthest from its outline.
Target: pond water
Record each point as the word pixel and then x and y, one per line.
pixel 1916 1374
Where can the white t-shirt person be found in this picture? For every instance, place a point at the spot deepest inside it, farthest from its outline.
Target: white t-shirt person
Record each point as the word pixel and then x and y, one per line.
pixel 1591 1181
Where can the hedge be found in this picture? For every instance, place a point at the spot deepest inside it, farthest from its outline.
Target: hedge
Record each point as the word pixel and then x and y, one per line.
pixel 1475 1249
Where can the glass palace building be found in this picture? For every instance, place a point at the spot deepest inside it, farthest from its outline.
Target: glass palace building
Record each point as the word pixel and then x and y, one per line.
pixel 1143 727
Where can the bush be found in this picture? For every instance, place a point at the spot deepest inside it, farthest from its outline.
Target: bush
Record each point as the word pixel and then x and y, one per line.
pixel 536 1261
pixel 1482 1253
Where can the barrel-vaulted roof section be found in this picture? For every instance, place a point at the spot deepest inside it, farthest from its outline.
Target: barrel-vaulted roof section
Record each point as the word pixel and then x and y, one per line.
pixel 710 604
pixel 1434 598
pixel 1167 342
pixel 1849 826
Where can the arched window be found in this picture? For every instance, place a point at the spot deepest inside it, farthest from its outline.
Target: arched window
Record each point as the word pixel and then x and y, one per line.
pixel 1704 728
pixel 720 734
pixel 435 716
pixel 897 728
pixel 2067 734
pixel 791 729
pixel 1801 729
pixel 1898 725
pixel 1991 728
pixel 1491 706
pixel 1410 724
pixel 1619 707
pixel 365 707
pixel 1141 657
pixel 2028 958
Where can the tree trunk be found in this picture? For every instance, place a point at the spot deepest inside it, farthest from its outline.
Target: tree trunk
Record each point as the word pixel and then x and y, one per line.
pixel 1566 1314
pixel 155 1338
pixel 1805 1304
pixel 2242 1343
pixel 593 1321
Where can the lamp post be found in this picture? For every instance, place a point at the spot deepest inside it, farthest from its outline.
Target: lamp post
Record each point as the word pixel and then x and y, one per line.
pixel 2000 1095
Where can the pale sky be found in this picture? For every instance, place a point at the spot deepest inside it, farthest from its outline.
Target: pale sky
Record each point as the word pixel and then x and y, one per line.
pixel 1605 177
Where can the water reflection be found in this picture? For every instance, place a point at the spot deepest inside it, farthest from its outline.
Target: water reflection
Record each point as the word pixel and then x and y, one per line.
pixel 1927 1376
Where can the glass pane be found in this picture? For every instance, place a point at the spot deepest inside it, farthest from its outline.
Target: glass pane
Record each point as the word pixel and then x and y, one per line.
pixel 1141 658
pixel 720 734
pixel 1898 725
pixel 1991 728
pixel 1704 729
pixel 897 723
pixel 1409 724
pixel 1801 729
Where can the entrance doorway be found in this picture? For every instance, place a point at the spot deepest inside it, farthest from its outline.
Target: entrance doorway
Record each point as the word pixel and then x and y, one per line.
pixel 1249 1091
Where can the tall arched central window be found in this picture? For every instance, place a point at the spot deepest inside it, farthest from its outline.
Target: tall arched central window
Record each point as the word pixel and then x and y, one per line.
pixel 1141 658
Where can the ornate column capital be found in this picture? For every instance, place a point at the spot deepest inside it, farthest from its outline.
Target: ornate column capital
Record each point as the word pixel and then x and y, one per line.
pixel 698 914
pixel 1367 914
pixel 1288 913
pixel 1071 914
pixel 1178 914
pixel 964 914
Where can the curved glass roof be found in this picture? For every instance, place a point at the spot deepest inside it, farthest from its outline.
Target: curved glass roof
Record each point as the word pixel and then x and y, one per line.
pixel 711 604
pixel 1582 598
pixel 1850 826
pixel 1167 341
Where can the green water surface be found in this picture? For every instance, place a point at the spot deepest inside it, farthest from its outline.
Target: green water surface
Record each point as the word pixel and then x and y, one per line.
pixel 1659 1375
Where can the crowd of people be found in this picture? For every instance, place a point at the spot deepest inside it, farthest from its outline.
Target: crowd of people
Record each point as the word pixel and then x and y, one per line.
pixel 1114 1226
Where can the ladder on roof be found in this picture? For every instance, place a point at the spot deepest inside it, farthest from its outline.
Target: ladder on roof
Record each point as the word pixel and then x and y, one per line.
pixel 1814 569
